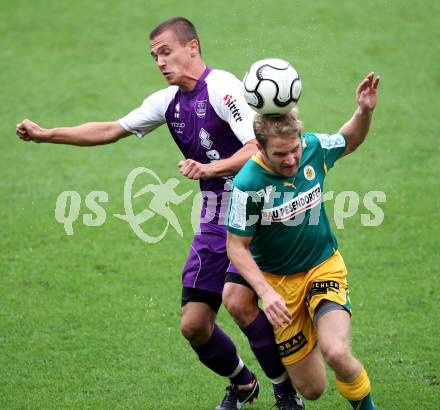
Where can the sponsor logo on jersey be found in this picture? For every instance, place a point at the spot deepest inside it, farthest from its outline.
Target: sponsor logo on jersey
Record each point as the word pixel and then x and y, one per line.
pixel 178 124
pixel 204 138
pixel 293 207
pixel 200 108
pixel 178 127
pixel 309 172
pixel 292 345
pixel 321 288
pixel 265 192
pixel 230 103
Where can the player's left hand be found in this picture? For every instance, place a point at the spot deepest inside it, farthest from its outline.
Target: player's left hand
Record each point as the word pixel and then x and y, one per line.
pixel 366 92
pixel 193 169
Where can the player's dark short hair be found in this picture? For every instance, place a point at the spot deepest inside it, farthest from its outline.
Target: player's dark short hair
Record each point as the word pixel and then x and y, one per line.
pixel 181 27
pixel 283 126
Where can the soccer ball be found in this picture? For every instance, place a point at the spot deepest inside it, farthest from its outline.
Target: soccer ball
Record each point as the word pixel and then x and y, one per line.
pixel 272 86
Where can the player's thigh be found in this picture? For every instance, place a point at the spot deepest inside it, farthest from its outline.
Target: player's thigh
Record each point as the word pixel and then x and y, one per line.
pixel 334 334
pixel 328 282
pixel 199 314
pixel 207 262
pixel 308 375
pixel 199 307
pixel 296 340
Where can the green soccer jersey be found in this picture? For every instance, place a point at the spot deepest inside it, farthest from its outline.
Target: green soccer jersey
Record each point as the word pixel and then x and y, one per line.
pixel 285 216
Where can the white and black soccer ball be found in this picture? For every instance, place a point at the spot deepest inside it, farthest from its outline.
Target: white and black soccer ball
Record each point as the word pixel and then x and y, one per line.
pixel 272 86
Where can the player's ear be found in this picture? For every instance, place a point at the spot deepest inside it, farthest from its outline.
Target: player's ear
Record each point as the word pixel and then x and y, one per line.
pixel 194 47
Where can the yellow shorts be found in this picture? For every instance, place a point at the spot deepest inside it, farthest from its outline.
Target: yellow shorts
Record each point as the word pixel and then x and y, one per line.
pixel 303 292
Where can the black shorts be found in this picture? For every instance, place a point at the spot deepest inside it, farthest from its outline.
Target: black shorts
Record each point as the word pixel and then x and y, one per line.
pixel 237 278
pixel 212 299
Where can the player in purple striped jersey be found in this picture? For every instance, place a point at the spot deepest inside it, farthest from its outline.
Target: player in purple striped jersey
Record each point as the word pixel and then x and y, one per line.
pixel 211 123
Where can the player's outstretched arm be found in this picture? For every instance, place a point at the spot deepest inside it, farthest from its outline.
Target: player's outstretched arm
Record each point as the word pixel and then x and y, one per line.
pixel 273 304
pixel 88 134
pixel 221 168
pixel 356 129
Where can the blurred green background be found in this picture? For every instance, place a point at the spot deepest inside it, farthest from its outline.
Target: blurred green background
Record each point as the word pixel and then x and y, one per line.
pixel 91 320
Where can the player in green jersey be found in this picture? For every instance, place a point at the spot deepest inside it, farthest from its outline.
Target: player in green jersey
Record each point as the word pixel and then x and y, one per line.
pixel 294 265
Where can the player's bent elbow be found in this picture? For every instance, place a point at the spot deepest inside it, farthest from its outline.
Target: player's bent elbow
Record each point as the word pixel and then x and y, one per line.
pixel 110 133
pixel 351 147
pixel 230 252
pixel 354 146
pixel 236 246
pixel 115 132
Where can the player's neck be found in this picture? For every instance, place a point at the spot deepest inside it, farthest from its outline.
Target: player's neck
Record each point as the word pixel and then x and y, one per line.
pixel 263 162
pixel 192 76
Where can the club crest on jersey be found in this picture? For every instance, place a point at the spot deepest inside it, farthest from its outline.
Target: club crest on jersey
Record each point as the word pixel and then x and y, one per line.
pixel 309 173
pixel 200 108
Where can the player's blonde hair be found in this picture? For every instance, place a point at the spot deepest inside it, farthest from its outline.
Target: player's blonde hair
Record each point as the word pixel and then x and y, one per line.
pixel 283 126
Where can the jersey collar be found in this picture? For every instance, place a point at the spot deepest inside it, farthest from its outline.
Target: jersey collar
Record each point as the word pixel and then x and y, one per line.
pixel 262 164
pixel 199 85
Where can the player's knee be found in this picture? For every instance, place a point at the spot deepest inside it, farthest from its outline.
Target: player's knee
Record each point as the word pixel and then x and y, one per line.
pixel 241 304
pixel 196 332
pixel 311 390
pixel 336 355
pixel 312 393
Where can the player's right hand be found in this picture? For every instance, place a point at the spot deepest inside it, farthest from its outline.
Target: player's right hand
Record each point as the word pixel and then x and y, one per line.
pixel 275 309
pixel 28 130
pixel 193 169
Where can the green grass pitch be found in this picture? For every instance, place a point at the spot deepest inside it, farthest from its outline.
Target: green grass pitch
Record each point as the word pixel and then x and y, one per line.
pixel 91 320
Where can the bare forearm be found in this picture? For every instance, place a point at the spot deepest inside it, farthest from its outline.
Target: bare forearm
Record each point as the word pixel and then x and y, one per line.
pixel 273 303
pixel 233 164
pixel 88 134
pixel 242 259
pixel 356 129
